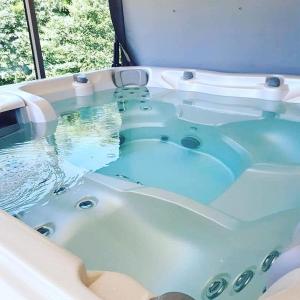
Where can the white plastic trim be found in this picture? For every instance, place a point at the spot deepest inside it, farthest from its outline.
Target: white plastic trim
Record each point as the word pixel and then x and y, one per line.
pixel 38 109
pixel 33 268
pixel 9 101
pixel 215 83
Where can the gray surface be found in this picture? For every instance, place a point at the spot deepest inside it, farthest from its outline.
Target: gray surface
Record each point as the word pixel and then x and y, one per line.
pixel 136 77
pixel 226 35
pixel 173 296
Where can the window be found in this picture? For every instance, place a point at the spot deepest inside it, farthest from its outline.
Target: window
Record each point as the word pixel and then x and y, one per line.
pixel 75 36
pixel 16 62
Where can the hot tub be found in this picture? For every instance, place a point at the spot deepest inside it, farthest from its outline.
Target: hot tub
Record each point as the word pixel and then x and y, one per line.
pixel 186 184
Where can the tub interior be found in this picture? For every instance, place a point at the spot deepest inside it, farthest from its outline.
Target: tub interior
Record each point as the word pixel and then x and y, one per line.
pixel 153 152
pixel 160 244
pixel 195 175
pixel 154 183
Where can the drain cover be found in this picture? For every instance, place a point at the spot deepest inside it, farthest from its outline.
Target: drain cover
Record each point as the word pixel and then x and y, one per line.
pixel 190 142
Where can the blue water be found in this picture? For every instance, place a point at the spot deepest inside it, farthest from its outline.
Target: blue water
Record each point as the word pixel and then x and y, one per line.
pixel 86 138
pixel 32 167
pixel 168 166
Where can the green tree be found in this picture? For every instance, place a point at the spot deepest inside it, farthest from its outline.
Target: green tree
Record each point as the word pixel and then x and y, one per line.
pixel 75 36
pixel 15 51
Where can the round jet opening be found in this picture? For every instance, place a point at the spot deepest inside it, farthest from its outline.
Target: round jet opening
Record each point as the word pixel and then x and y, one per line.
pixel 164 138
pixel 46 230
pixel 60 190
pixel 243 280
pixel 269 260
pixel 87 203
pixel 215 288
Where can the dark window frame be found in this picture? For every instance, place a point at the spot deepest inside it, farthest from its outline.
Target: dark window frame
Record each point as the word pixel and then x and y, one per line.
pixel 34 37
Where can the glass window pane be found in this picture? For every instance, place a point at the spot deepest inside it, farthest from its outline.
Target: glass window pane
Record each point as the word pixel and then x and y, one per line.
pixel 16 63
pixel 75 35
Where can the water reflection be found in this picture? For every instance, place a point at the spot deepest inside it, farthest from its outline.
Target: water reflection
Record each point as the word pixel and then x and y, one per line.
pixel 36 161
pixel 50 158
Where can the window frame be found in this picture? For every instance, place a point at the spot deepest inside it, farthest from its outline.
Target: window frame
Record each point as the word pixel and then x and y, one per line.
pixel 34 37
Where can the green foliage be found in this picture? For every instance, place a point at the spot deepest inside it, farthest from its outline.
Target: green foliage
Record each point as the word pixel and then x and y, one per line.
pixel 75 36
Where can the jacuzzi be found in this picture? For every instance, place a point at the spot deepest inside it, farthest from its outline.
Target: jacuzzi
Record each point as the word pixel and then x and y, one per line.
pixel 184 180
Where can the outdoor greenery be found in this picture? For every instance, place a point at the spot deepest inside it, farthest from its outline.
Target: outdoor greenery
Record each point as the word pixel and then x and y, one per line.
pixel 75 36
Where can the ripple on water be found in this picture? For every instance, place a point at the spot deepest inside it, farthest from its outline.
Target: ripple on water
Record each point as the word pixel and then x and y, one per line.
pixel 84 140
